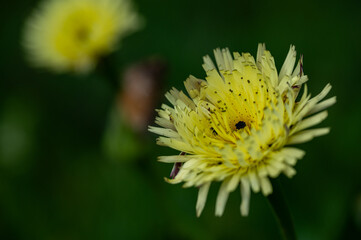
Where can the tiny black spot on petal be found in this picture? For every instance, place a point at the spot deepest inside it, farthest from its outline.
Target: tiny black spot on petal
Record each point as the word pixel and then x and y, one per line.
pixel 214 131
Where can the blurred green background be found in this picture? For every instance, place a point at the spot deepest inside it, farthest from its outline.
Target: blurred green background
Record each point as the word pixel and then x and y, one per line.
pixel 58 180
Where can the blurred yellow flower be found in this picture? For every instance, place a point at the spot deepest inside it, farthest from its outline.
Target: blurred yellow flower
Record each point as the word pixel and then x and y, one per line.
pixel 236 126
pixel 70 35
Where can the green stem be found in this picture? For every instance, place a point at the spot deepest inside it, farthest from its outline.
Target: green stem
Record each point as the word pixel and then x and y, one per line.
pixel 281 211
pixel 109 71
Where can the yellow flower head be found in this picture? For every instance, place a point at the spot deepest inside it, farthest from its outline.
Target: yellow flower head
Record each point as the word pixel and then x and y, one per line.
pixel 236 126
pixel 71 34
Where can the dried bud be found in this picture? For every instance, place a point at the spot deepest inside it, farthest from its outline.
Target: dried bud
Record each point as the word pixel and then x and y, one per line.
pixel 141 92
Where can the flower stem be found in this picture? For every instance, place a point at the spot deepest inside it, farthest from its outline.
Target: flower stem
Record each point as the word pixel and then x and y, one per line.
pixel 109 71
pixel 281 211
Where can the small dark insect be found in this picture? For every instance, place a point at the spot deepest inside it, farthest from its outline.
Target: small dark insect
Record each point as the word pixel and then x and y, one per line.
pixel 240 125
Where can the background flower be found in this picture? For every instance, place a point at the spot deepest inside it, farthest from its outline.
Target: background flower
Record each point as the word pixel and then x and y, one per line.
pixel 72 34
pixel 236 124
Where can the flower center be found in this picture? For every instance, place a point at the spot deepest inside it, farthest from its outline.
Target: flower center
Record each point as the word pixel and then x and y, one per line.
pixel 82 34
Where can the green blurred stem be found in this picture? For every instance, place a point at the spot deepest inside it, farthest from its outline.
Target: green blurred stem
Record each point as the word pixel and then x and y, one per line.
pixel 108 69
pixel 281 211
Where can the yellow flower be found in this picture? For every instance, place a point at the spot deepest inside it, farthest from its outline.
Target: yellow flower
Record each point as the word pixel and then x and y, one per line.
pixel 236 126
pixel 72 34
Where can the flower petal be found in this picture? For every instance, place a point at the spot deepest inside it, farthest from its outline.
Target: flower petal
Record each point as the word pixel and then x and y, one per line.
pixel 307 135
pixel 289 63
pixel 246 196
pixel 222 198
pixel 202 197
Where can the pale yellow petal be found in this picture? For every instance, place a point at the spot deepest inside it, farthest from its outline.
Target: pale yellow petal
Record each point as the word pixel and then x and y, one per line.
pixel 307 135
pixel 222 198
pixel 246 195
pixel 202 198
